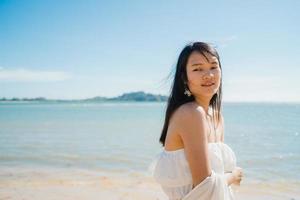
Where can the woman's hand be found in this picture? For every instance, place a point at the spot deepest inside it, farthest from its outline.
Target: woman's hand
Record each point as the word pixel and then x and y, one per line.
pixel 237 175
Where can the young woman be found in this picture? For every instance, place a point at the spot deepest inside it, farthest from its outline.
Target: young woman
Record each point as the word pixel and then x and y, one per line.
pixel 195 162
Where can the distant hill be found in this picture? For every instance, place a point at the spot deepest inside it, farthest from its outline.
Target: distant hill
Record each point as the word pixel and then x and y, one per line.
pixel 131 96
pixel 139 96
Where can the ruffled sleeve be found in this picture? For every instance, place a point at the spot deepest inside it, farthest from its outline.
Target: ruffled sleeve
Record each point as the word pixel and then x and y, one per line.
pixel 229 158
pixel 152 165
pixel 171 169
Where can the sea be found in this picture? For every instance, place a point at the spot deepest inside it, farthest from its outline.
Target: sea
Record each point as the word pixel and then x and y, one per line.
pixel 124 137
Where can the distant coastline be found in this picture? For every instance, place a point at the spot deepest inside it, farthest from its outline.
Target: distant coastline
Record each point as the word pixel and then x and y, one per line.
pixel 138 96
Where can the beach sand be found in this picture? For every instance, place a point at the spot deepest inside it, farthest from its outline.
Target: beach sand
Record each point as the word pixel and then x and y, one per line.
pixel 38 184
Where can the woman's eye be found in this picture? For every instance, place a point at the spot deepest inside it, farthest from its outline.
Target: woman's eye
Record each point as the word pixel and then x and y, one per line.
pixel 214 68
pixel 198 69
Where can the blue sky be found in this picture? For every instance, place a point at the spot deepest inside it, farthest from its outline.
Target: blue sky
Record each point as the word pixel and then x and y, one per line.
pixel 79 49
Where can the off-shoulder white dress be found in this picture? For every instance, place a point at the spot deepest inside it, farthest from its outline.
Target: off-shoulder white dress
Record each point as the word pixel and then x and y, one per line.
pixel 171 170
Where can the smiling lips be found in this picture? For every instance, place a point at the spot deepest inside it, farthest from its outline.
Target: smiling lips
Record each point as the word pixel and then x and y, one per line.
pixel 207 84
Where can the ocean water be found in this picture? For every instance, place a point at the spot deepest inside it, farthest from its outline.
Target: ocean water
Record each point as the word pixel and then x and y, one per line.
pixel 124 137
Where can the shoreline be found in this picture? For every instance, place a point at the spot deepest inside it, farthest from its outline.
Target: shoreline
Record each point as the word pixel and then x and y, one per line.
pixel 65 184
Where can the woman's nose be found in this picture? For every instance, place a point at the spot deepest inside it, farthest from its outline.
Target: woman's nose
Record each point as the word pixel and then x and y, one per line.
pixel 208 75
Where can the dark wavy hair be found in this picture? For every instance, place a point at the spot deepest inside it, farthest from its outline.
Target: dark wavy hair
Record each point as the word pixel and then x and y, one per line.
pixel 177 96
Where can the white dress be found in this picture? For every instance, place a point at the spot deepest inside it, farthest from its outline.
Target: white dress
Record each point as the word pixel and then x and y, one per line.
pixel 171 170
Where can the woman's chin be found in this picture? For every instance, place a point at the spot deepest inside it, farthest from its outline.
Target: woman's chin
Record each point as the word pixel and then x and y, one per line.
pixel 209 93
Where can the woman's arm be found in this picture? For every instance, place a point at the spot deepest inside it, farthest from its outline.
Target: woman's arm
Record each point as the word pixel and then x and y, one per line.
pixel 192 128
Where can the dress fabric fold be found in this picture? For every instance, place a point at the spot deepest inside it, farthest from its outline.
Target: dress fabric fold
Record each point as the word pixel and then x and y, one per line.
pixel 171 170
pixel 213 187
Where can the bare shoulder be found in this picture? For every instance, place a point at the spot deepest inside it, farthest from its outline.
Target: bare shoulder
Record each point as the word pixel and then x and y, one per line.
pixel 179 125
pixel 188 116
pixel 189 110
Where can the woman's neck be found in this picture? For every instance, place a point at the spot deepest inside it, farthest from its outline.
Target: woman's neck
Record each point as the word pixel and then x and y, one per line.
pixel 204 102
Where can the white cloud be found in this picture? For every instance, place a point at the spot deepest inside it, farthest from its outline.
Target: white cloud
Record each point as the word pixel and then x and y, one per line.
pixel 25 75
pixel 224 42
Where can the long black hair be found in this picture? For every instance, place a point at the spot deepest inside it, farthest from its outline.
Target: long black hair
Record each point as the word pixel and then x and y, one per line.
pixel 177 96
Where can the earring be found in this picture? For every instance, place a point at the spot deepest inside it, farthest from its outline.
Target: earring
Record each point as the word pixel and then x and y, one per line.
pixel 187 92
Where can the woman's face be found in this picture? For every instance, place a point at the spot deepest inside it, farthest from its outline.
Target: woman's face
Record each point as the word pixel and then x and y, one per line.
pixel 203 74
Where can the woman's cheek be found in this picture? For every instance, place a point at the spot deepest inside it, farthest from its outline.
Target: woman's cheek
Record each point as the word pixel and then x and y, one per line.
pixel 218 79
pixel 195 79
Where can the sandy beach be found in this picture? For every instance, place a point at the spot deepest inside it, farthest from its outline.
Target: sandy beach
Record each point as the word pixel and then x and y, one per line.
pixel 76 184
pixel 33 184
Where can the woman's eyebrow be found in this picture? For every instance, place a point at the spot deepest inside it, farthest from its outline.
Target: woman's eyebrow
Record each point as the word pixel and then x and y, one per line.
pixel 196 64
